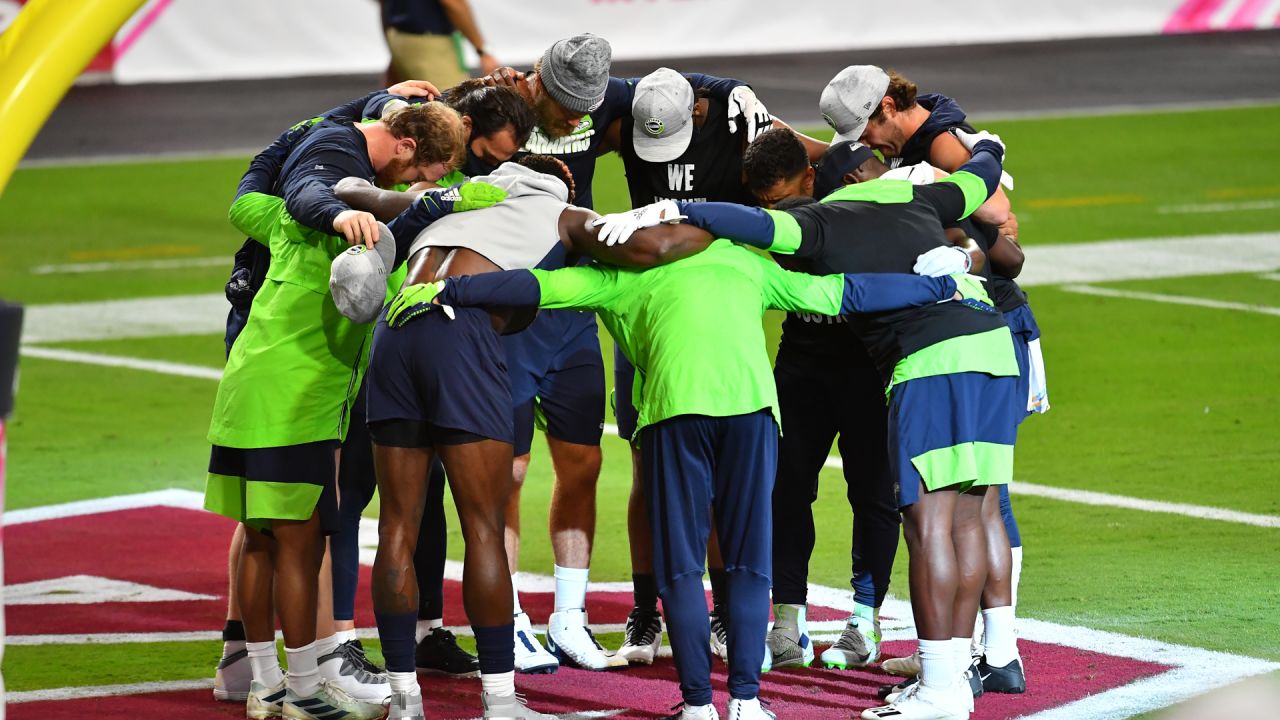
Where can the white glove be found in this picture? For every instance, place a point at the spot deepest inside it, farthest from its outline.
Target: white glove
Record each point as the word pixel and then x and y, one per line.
pixel 968 140
pixel 616 228
pixel 943 260
pixel 755 116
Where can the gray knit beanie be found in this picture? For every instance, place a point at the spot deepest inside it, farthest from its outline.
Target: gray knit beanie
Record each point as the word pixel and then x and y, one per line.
pixel 576 71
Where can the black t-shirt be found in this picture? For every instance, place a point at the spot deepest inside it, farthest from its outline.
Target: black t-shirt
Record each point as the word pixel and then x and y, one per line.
pixel 844 236
pixel 709 169
pixel 1005 293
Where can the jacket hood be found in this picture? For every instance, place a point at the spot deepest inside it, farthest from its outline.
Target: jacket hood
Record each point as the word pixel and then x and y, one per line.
pixel 520 181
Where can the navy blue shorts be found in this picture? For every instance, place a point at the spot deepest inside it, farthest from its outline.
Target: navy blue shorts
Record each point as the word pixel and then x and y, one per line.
pixel 951 431
pixel 624 378
pixel 447 376
pixel 557 373
pixel 311 463
pixel 1023 328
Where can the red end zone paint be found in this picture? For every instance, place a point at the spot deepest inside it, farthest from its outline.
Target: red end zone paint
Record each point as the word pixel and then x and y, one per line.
pixel 186 550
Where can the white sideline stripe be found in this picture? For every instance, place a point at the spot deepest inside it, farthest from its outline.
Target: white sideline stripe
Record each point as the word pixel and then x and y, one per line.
pixel 1172 299
pixel 1148 258
pixel 1195 670
pixel 155 366
pixel 1270 276
pixel 1218 207
pixel 188 499
pixel 204 314
pixel 95 691
pixel 171 264
pixel 1088 497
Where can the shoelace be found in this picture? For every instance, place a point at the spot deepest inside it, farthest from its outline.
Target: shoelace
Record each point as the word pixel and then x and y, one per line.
pixel 850 639
pixel 447 639
pixel 642 628
pixel 354 652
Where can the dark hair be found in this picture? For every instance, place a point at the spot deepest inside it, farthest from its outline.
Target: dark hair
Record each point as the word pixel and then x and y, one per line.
pixel 549 165
pixel 794 201
pixel 492 109
pixel 775 155
pixel 437 129
pixel 903 92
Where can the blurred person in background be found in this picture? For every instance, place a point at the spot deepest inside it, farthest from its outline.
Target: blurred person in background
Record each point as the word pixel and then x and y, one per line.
pixel 423 38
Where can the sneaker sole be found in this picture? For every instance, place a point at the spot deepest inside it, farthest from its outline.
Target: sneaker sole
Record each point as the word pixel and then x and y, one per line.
pixel 792 663
pixel 643 659
pixel 548 669
pixel 435 672
pixel 569 662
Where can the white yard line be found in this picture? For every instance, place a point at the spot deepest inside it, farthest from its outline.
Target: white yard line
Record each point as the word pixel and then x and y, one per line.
pixel 1149 258
pixel 154 366
pixel 204 314
pixel 93 267
pixel 1088 497
pixel 1195 670
pixel 1172 299
pixel 1219 207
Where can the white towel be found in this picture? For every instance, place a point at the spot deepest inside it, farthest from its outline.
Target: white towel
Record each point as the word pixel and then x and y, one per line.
pixel 1038 385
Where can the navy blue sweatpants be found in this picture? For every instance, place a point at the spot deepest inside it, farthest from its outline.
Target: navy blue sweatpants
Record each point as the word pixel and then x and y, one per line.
pixel 696 467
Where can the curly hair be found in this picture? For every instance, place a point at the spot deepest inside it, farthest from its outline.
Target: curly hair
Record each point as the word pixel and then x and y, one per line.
pixel 901 90
pixel 492 109
pixel 552 166
pixel 436 128
pixel 774 156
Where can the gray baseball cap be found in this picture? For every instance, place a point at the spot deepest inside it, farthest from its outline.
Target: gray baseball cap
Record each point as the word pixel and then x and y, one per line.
pixel 850 98
pixel 576 71
pixel 663 114
pixel 358 277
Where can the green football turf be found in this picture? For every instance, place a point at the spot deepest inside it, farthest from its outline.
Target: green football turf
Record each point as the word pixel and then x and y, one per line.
pixel 1150 400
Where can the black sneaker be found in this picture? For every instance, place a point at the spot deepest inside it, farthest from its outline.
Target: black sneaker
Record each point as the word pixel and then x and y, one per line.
pixel 353 650
pixel 643 636
pixel 975 680
pixel 1006 679
pixel 438 654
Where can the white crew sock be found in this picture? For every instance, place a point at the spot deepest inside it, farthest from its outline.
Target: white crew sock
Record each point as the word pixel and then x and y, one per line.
pixel 960 651
pixel 324 646
pixel 304 673
pixel 425 627
pixel 345 636
pixel 1016 574
pixel 404 682
pixel 264 662
pixel 937 664
pixel 571 588
pixel 1001 641
pixel 515 595
pixel 499 684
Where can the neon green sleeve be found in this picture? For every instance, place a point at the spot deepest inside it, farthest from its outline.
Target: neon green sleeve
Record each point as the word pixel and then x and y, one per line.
pixel 786 233
pixel 256 215
pixel 800 292
pixel 588 287
pixel 974 189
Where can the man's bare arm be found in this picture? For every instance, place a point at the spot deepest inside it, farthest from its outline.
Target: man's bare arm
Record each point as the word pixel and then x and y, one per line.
pixel 946 153
pixel 385 205
pixel 646 248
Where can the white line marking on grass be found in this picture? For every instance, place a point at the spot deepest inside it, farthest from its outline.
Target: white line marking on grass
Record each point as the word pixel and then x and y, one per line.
pixel 174 264
pixel 187 499
pixel 1088 497
pixel 96 691
pixel 155 366
pixel 1270 276
pixel 1218 207
pixel 1172 299
pixel 1149 258
pixel 204 314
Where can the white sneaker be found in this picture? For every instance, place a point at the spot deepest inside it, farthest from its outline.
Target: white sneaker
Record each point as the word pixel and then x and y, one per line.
pixel 330 702
pixel 232 678
pixel 405 706
pixel 749 710
pixel 908 666
pixel 344 670
pixel 571 641
pixel 858 646
pixel 643 637
pixel 922 703
pixel 531 657
pixel 264 702
pixel 510 707
pixel 719 636
pixel 695 712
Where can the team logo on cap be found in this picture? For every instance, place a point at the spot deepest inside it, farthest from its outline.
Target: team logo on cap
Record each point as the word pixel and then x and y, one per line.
pixel 830 122
pixel 356 249
pixel 653 126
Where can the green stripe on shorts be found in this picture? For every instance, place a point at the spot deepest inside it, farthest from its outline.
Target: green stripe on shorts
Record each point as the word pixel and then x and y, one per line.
pixel 965 465
pixel 256 502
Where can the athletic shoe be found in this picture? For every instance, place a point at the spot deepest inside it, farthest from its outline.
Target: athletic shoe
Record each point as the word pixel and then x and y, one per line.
pixel 331 702
pixel 571 641
pixel 438 654
pixel 264 702
pixel 404 706
pixel 749 710
pixel 232 679
pixel 974 680
pixel 719 635
pixel 694 712
pixel 643 637
pixel 1007 679
pixel 858 646
pixel 908 666
pixel 510 707
pixel 348 669
pixel 789 647
pixel 890 693
pixel 531 657
pixel 921 703
pixel 767 664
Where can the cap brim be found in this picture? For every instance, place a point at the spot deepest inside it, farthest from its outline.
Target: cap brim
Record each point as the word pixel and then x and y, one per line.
pixel 663 149
pixel 851 136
